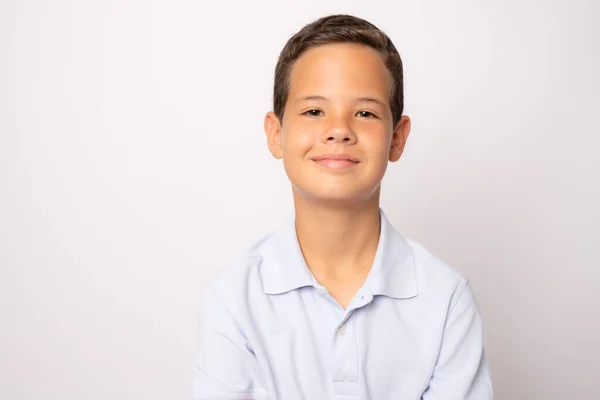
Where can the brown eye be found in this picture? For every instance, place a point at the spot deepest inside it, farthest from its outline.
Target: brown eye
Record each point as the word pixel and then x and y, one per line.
pixel 313 113
pixel 366 114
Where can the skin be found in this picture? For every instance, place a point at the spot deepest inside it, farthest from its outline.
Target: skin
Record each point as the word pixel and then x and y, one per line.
pixel 337 210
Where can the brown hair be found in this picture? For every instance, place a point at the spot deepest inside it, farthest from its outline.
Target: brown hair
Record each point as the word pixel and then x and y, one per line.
pixel 338 28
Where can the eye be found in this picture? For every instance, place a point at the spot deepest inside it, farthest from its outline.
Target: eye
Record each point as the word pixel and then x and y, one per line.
pixel 313 113
pixel 367 114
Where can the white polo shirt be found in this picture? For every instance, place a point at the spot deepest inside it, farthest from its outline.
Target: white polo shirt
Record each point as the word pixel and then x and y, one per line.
pixel 268 330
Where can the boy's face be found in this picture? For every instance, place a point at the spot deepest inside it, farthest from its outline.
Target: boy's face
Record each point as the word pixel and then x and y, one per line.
pixel 337 135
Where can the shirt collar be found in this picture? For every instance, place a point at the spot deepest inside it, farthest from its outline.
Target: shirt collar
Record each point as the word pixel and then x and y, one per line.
pixel 392 274
pixel 284 268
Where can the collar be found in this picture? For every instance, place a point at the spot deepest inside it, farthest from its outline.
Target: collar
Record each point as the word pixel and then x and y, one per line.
pixel 393 272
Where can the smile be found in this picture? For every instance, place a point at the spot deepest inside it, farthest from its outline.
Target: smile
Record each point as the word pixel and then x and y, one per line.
pixel 336 162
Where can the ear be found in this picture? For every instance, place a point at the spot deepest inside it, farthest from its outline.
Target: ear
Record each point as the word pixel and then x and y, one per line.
pixel 399 138
pixel 273 131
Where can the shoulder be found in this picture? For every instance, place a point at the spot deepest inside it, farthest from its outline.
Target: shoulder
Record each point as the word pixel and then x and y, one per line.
pixel 242 272
pixel 435 277
pixel 433 268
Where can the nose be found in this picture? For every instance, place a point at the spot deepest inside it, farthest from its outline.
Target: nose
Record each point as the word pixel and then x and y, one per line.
pixel 339 131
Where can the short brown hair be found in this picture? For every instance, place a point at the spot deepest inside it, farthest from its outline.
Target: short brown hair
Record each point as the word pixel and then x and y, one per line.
pixel 339 28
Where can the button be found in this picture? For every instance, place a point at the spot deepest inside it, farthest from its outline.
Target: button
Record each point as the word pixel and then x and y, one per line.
pixel 341 329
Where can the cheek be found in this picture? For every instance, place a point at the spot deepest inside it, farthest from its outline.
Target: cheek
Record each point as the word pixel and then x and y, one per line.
pixel 298 142
pixel 376 143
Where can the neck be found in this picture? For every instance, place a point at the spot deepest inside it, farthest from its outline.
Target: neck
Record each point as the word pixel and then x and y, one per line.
pixel 338 241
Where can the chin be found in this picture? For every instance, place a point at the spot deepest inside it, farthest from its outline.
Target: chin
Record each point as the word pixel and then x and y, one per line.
pixel 335 195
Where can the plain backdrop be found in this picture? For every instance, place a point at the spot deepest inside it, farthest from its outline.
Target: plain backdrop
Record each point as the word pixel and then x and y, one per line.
pixel 133 166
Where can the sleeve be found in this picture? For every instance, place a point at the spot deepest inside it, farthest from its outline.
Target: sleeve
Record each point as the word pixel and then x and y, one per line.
pixel 226 367
pixel 461 371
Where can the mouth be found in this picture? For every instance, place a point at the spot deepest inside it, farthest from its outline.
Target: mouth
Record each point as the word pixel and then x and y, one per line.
pixel 335 162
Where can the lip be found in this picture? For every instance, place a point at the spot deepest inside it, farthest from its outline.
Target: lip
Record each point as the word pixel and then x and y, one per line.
pixel 343 156
pixel 335 162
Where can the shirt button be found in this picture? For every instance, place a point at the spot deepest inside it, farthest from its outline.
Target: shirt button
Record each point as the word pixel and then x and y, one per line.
pixel 341 329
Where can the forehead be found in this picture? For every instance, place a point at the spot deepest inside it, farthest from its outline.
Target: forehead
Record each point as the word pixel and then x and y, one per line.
pixel 340 69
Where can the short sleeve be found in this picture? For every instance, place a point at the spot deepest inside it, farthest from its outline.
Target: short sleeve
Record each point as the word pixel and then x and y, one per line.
pixel 226 367
pixel 461 372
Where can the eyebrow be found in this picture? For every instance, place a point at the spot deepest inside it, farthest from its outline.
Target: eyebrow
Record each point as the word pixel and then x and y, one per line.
pixel 359 99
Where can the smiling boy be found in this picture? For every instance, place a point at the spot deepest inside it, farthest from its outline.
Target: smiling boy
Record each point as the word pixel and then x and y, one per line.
pixel 337 304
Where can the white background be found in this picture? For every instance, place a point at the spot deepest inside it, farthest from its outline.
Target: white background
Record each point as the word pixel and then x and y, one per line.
pixel 133 166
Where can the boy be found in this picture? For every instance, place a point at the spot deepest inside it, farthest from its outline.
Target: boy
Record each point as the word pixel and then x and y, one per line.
pixel 337 304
